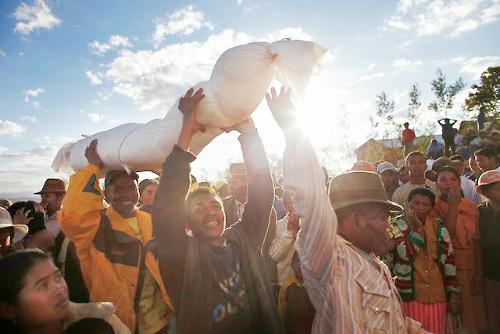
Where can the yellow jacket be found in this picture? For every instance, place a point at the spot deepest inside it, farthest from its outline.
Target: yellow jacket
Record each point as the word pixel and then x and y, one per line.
pixel 112 258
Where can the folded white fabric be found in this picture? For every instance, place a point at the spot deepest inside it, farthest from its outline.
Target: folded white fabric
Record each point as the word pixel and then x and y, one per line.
pixel 237 85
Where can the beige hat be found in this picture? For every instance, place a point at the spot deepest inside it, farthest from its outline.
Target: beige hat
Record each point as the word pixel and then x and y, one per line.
pixel 20 230
pixel 358 187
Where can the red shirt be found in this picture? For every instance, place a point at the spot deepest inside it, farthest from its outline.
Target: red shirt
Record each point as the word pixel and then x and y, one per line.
pixel 407 136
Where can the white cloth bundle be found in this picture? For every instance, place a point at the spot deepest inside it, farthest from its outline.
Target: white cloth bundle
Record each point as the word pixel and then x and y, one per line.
pixel 238 83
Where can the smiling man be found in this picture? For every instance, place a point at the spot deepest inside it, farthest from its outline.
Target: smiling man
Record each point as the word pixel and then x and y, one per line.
pixel 115 245
pixel 212 270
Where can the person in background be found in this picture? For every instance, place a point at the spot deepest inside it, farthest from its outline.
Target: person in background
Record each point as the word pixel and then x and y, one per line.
pixel 147 190
pixel 5 203
pixel 222 189
pixel 295 306
pixel 52 195
pixel 389 175
pixel 234 205
pixel 115 245
pixel 460 216
pixel 10 234
pixel 34 297
pixel 415 161
pixel 363 165
pixel 486 159
pixel 435 149
pixel 489 228
pixel 425 264
pixel 404 174
pixel 481 119
pixel 407 138
pixel 33 215
pixel 352 291
pixel 448 133
pixel 283 244
pixel 214 272
pixel 468 186
pixel 474 168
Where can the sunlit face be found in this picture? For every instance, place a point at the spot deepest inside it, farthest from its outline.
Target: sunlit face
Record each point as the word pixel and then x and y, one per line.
pixel 404 176
pixel 417 165
pixel 52 201
pixel 123 195
pixel 43 299
pixel 148 194
pixel 421 205
pixel 447 181
pixel 207 220
pixel 486 163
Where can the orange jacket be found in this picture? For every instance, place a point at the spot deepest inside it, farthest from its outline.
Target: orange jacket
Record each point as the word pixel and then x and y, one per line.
pixel 112 258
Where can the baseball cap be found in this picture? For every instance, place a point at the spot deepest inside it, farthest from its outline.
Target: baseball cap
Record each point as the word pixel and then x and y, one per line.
pixel 111 175
pixel 385 166
pixel 489 177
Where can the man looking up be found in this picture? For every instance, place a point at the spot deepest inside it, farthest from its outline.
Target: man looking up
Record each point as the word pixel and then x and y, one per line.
pixel 52 195
pixel 115 245
pixel 415 161
pixel 351 290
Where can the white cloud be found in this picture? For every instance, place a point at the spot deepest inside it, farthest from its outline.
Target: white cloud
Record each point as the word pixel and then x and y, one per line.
pixel 449 17
pixel 289 32
pixel 96 117
pixel 2 53
pixel 30 118
pixel 406 65
pixel 31 18
pixel 371 66
pixel 10 128
pixel 114 42
pixel 28 94
pixel 94 78
pixel 476 65
pixel 183 21
pixel 54 141
pixel 372 76
pixel 156 77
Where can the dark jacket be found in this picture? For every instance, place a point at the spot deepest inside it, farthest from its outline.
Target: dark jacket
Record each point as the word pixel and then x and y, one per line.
pixel 184 262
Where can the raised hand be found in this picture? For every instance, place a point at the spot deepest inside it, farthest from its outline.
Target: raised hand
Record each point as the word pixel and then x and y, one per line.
pixel 282 108
pixel 415 222
pixel 454 197
pixel 21 217
pixel 187 105
pixel 246 126
pixel 92 156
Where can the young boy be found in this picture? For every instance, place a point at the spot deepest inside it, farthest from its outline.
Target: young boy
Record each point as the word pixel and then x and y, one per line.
pixel 213 274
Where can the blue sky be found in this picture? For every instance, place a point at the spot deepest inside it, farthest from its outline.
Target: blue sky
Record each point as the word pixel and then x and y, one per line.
pixel 71 67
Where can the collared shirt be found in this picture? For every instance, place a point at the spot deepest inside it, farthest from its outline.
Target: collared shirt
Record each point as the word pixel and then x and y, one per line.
pixel 350 293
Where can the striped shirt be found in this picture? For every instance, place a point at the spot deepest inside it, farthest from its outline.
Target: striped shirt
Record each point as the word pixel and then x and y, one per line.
pixel 351 291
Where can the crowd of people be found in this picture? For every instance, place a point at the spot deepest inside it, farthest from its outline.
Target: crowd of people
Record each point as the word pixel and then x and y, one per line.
pixel 373 249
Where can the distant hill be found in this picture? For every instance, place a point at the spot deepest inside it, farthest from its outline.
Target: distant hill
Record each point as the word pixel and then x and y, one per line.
pixel 20 196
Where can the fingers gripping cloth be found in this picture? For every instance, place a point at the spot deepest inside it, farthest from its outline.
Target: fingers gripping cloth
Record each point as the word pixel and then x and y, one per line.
pixel 239 81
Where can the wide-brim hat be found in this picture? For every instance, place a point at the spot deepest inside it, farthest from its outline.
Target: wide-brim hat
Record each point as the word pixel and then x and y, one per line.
pixel 20 230
pixel 357 187
pixel 53 186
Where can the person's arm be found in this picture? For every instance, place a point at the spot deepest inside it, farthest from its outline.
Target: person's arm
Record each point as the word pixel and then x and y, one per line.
pixel 168 213
pixel 255 218
pixel 80 215
pixel 453 121
pixel 302 173
pixel 412 240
